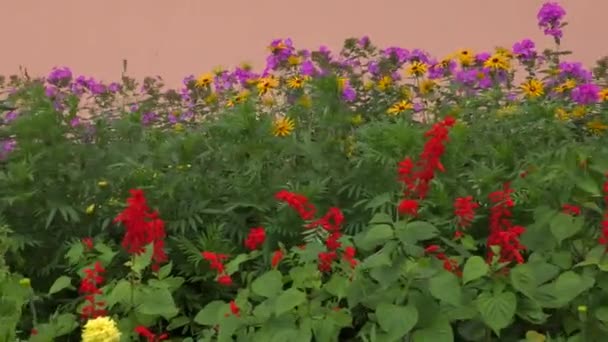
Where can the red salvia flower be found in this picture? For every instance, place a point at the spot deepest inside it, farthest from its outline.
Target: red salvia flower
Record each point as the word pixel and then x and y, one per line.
pixel 502 231
pixel 255 238
pixel 88 243
pixel 332 242
pixel 332 221
pixel 349 256
pixel 277 256
pixel 215 260
pixel 408 207
pixel 326 259
pixel 464 209
pixel 603 239
pixel 225 280
pixel 234 309
pixel 297 202
pixel 431 249
pixel 571 209
pixel 150 336
pixel 89 287
pixel 143 227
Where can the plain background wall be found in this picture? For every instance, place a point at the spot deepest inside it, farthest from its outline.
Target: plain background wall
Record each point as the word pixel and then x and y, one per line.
pixel 174 38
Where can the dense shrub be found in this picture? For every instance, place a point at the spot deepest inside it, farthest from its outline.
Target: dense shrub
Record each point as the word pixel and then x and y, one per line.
pixel 365 195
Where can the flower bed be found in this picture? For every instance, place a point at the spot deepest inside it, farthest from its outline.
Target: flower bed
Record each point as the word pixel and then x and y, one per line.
pixel 370 194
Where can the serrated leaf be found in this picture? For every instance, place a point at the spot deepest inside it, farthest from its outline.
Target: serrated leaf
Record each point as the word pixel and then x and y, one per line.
pixel 396 320
pixel 564 226
pixel 142 260
pixel 375 236
pixel 497 310
pixel 60 283
pixel 413 232
pixel 445 286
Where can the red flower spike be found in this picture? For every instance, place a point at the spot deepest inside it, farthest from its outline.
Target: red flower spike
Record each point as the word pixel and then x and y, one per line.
pixel 88 243
pixel 234 309
pixel 571 209
pixel 224 280
pixel 408 207
pixel 297 202
pixel 150 336
pixel 464 210
pixel 277 256
pixel 255 239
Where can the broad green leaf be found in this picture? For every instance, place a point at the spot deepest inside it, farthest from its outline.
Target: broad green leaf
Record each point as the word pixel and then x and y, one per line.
pixel 416 231
pixel 588 185
pixel 497 310
pixel 445 286
pixel 523 279
pixel 165 271
pixel 396 320
pixel 288 300
pixel 156 301
pixel 378 201
pixel 374 237
pixel 337 286
pixel 121 293
pixel 234 264
pixel 380 218
pixel 534 336
pixel 564 226
pixel 474 268
pixel 75 252
pixel 178 322
pixel 439 330
pixel 268 284
pixel 143 260
pixel 211 313
pixel 60 283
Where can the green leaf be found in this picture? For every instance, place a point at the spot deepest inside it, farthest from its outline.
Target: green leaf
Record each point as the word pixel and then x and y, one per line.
pixel 375 236
pixel 234 264
pixel 165 271
pixel 268 284
pixel 337 286
pixel 61 283
pixel 564 226
pixel 211 313
pixel 75 253
pixel 121 293
pixel 288 300
pixel 497 310
pixel 178 322
pixel 396 320
pixel 439 330
pixel 474 268
pixel 416 231
pixel 378 201
pixel 523 279
pixel 446 287
pixel 156 301
pixel 143 260
pixel 380 218
pixel 588 185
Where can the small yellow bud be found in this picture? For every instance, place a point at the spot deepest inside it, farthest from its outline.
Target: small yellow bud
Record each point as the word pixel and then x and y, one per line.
pixel 25 282
pixel 102 183
pixel 90 209
pixel 582 308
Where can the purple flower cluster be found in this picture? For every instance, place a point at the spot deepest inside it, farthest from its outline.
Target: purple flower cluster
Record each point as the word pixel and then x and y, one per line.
pixel 586 94
pixel 6 147
pixel 550 18
pixel 60 77
pixel 525 50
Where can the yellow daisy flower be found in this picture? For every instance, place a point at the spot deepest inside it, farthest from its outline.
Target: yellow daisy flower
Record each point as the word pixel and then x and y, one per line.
pixel 466 57
pixel 283 127
pixel 100 329
pixel 294 60
pixel 267 83
pixel 497 62
pixel 204 80
pixel 533 88
pixel 427 87
pixel 604 94
pixel 296 82
pixel 596 127
pixel 417 68
pixel 579 111
pixel 384 83
pixel 562 114
pixel 504 52
pixel 399 107
pixel 567 85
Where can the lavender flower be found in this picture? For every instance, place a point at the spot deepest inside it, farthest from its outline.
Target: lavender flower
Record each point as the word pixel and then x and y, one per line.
pixel 75 122
pixel 10 116
pixel 364 42
pixel 401 55
pixel 348 93
pixel 307 68
pixel 6 147
pixel 549 18
pixel 114 87
pixel 525 49
pixel 50 91
pixel 148 118
pixel 574 70
pixel 373 68
pixel 585 94
pixel 482 57
pixel 60 76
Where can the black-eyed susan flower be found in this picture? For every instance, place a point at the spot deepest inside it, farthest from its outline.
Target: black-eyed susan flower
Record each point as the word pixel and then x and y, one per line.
pixel 399 107
pixel 596 127
pixel 466 57
pixel 296 82
pixel 267 83
pixel 204 80
pixel 384 83
pixel 497 62
pixel 533 88
pixel 427 86
pixel 562 115
pixel 568 84
pixel 283 127
pixel 416 69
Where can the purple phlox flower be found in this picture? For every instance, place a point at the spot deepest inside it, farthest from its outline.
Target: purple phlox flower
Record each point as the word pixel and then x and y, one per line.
pixel 50 91
pixel 418 107
pixel 575 70
pixel 419 55
pixel 134 107
pixel 187 115
pixel 401 55
pixel 281 50
pixel 173 118
pixel 148 117
pixel 325 51
pixel 348 93
pixel 307 68
pixel 114 87
pixel 396 76
pixel 364 41
pixel 11 116
pixel 223 81
pixel 525 49
pixel 242 76
pixel 373 67
pixel 6 147
pixel 60 76
pixel 549 18
pixel 188 80
pixel 484 80
pixel 511 96
pixel 75 122
pixel 482 57
pixel 584 94
pixel 466 76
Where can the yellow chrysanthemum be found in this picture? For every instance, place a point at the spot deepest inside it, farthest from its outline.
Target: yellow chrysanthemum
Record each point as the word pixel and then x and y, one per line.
pixel 204 80
pixel 533 88
pixel 267 83
pixel 497 62
pixel 427 86
pixel 562 114
pixel 399 107
pixel 283 127
pixel 604 94
pixel 357 119
pixel 296 82
pixel 294 60
pixel 242 96
pixel 100 329
pixel 384 83
pixel 596 127
pixel 368 85
pixel 466 57
pixel 417 68
pixel 579 111
pixel 567 85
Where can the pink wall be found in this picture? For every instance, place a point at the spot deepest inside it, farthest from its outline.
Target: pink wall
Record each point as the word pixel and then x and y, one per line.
pixel 173 38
